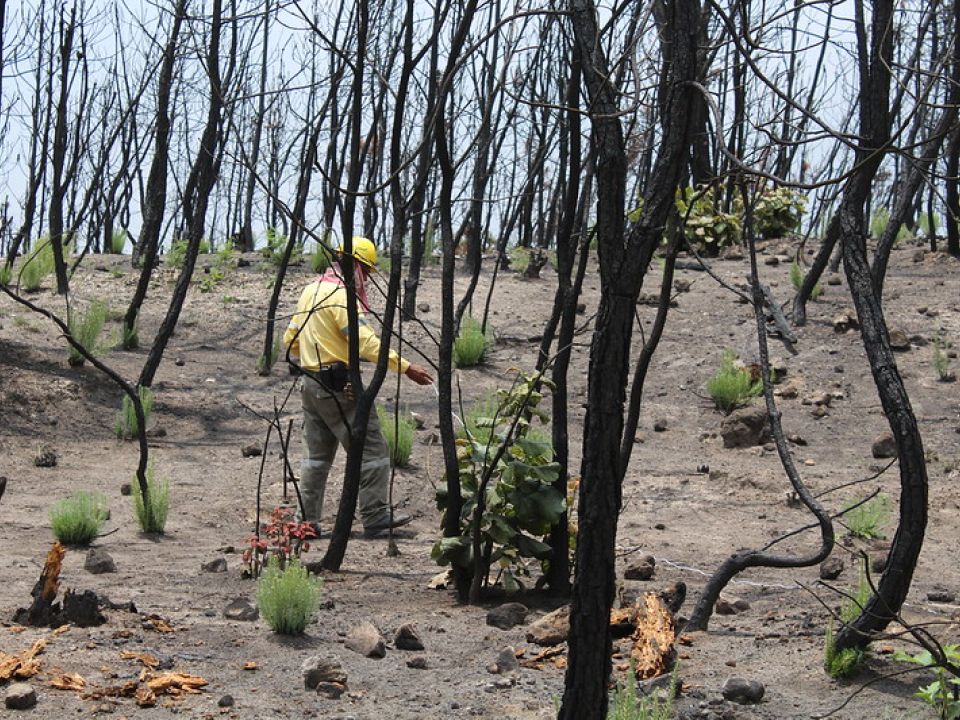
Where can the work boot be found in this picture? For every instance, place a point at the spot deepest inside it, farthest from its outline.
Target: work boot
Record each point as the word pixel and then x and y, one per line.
pixel 384 523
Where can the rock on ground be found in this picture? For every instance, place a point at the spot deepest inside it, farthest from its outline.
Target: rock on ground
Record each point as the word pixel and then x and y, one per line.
pixel 507 615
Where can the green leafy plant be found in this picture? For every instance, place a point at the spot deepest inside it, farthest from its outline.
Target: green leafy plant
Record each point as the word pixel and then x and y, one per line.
pixel 85 327
pixel 77 520
pixel 844 663
pixel 130 335
pixel 470 345
pixel 399 432
pixel 264 363
pixel 928 224
pixel 275 247
pixel 941 362
pixel 118 241
pixel 733 386
pixel 287 597
pixel 706 226
pixel 38 264
pixel 478 419
pixel 514 476
pixel 796 279
pixel 151 515
pixel 320 259
pixel 943 694
pixel 125 426
pixel 626 705
pixel 868 520
pixel 519 258
pixel 282 537
pixel 778 212
pixel 178 253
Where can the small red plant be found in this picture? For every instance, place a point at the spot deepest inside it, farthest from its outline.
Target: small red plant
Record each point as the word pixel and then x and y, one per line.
pixel 283 535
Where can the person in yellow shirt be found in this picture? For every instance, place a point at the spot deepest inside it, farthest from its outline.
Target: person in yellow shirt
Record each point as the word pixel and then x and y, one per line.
pixel 318 336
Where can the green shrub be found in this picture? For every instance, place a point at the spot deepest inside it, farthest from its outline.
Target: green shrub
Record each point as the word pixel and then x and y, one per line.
pixel 125 426
pixel 85 328
pixel 130 335
pixel 519 257
pixel 928 224
pixel 6 274
pixel 118 241
pixel 37 265
pixel 843 663
pixel 626 705
pixel 796 279
pixel 941 362
pixel 778 212
pixel 178 253
pixel 152 515
pixel 287 598
pixel 399 432
pixel 264 363
pixel 320 259
pixel 732 386
pixel 77 520
pixel 868 520
pixel 943 694
pixel 478 419
pixel 471 344
pixel 706 226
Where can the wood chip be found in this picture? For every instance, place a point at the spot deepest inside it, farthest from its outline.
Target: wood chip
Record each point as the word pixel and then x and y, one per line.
pixel 61 630
pixel 22 665
pixel 251 665
pixel 155 622
pixel 146 659
pixel 653 640
pixel 68 681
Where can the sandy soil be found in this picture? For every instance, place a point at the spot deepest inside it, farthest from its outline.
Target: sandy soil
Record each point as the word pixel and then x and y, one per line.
pixel 687 518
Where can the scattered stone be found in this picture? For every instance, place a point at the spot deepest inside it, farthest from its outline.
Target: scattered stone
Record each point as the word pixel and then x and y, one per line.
pixel 431 439
pixel 46 458
pixel 641 568
pixel 899 340
pixel 225 701
pixel 241 609
pixel 838 369
pixel 674 595
pixel 423 307
pixel 878 561
pixel 745 427
pixel 731 605
pixel 660 685
pixel 948 377
pixel 126 489
pixel 884 446
pixel 20 696
pixel 251 450
pixel 180 362
pixel 417 663
pixel 440 580
pixel 407 638
pixel 789 390
pixel 660 425
pixel 731 252
pixel 242 262
pixel 941 595
pixel 742 691
pixel 330 690
pixel 819 411
pixel 316 669
pixel 797 440
pixel 418 420
pixel 831 568
pixel 834 280
pixel 844 322
pixel 99 562
pixel 551 629
pixel 366 640
pixel 919 255
pixel 771 260
pixel 581 308
pixel 506 661
pixel 681 285
pixel 507 615
pixel 822 398
pixel 217 565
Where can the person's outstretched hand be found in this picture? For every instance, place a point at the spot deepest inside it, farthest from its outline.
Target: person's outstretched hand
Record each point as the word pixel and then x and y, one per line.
pixel 419 374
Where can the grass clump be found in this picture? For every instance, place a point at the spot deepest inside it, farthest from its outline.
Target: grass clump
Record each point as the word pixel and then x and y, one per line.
pixel 868 520
pixel 399 432
pixel 85 327
pixel 941 361
pixel 151 515
pixel 118 241
pixel 470 346
pixel 77 520
pixel 287 597
pixel 478 419
pixel 732 386
pixel 126 426
pixel 796 279
pixel 6 274
pixel 840 664
pixel 626 705
pixel 37 265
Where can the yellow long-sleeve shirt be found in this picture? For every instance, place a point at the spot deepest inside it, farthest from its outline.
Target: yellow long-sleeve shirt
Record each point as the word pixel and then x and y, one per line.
pixel 317 332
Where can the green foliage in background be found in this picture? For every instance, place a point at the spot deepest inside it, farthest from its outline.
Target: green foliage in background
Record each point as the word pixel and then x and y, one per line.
pixel 943 694
pixel 287 597
pixel 732 386
pixel 125 426
pixel 471 343
pixel 520 502
pixel 118 241
pixel 626 704
pixel 707 227
pixel 778 212
pixel 399 432
pixel 38 264
pixel 868 520
pixel 77 520
pixel 796 279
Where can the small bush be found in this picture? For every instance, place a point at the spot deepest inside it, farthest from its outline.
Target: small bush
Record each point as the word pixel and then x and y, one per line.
pixel 320 259
pixel 778 212
pixel 706 225
pixel 125 426
pixel 399 432
pixel 6 274
pixel 732 386
pixel 37 265
pixel 118 240
pixel 178 253
pixel 626 705
pixel 287 598
pixel 478 419
pixel 152 515
pixel 85 329
pixel 130 335
pixel 868 520
pixel 796 279
pixel 470 345
pixel 840 664
pixel 77 519
pixel 941 361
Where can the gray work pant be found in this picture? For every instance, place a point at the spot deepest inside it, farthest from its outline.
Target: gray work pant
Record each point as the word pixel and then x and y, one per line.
pixel 327 418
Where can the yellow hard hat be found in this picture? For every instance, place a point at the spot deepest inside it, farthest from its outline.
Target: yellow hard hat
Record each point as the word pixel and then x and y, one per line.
pixel 364 251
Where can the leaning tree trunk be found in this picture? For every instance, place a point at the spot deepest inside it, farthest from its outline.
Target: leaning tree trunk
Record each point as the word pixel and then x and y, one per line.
pixel 622 267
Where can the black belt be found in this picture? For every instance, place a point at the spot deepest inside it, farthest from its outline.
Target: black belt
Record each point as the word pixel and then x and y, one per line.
pixel 333 377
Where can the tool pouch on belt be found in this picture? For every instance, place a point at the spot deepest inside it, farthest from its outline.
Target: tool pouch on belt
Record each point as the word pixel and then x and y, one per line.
pixel 334 377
